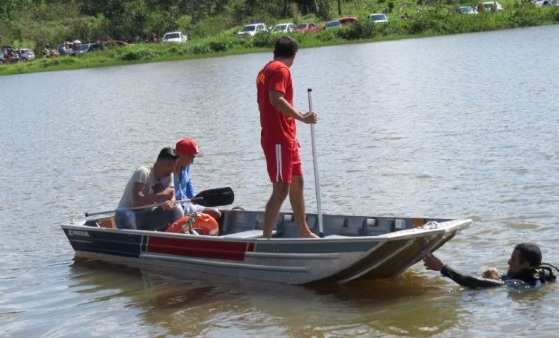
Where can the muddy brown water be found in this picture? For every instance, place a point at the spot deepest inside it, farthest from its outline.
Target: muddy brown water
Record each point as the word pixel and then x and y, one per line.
pixel 460 126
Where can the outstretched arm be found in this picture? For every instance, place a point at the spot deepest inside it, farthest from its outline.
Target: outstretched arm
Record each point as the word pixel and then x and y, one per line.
pixel 469 281
pixel 433 263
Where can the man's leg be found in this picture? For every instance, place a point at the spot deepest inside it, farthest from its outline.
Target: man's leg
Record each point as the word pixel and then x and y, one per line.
pixel 279 193
pixel 159 219
pixel 297 199
pixel 214 212
pixel 125 219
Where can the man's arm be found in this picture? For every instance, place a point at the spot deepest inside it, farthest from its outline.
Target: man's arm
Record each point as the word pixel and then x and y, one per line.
pixel 142 200
pixel 433 263
pixel 469 281
pixel 279 102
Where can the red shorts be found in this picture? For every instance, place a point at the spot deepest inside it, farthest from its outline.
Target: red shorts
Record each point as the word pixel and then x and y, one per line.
pixel 283 161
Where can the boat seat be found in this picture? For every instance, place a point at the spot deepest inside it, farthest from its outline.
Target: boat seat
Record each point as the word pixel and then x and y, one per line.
pixel 256 233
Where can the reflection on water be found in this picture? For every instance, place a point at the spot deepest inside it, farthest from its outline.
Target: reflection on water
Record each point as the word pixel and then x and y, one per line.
pixel 458 126
pixel 217 305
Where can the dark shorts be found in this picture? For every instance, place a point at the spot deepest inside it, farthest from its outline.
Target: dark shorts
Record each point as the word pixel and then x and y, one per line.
pixel 147 219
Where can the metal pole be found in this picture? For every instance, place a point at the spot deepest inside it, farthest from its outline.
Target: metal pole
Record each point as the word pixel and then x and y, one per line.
pixel 316 179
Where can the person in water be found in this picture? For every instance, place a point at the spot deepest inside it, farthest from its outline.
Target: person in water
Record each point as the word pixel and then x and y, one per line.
pixel 187 150
pixel 525 268
pixel 279 136
pixel 148 201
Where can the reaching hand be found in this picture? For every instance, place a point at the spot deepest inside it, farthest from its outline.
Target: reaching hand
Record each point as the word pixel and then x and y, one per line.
pixel 492 273
pixel 310 118
pixel 432 263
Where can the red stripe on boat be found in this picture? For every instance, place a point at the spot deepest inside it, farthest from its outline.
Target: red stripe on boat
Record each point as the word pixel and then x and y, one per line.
pixel 199 248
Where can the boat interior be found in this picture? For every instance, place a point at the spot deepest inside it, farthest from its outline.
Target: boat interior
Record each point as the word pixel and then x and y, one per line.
pixel 248 224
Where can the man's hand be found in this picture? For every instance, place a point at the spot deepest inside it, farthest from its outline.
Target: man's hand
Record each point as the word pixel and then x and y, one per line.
pixel 168 205
pixel 310 118
pixel 167 194
pixel 492 273
pixel 432 263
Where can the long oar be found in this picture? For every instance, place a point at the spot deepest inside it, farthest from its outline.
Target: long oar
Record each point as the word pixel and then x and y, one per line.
pixel 208 198
pixel 316 179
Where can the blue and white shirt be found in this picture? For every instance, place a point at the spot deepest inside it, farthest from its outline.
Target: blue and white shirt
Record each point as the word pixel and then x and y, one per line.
pixel 183 184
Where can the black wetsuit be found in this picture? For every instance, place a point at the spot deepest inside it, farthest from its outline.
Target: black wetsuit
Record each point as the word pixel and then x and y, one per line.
pixel 527 279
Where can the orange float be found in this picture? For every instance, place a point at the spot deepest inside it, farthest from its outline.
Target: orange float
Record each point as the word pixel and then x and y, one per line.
pixel 202 223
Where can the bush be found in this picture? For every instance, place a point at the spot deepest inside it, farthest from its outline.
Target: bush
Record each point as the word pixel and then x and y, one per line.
pixel 218 46
pixel 136 55
pixel 417 25
pixel 525 15
pixel 556 15
pixel 201 49
pixel 327 35
pixel 357 31
pixel 264 40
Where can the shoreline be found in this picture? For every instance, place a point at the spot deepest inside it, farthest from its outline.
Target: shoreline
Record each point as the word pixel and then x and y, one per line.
pixel 146 53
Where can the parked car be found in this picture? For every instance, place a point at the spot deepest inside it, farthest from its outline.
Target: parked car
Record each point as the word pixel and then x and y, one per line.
pixel 26 54
pixel 175 37
pixel 1 56
pixel 542 3
pixel 466 10
pixel 378 18
pixel 252 29
pixel 76 48
pixel 9 54
pixel 307 28
pixel 89 47
pixel 334 24
pixel 70 48
pixel 348 20
pixel 338 23
pixel 491 6
pixel 284 28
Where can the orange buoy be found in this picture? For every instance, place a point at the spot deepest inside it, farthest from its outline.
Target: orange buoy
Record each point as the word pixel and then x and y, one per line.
pixel 202 223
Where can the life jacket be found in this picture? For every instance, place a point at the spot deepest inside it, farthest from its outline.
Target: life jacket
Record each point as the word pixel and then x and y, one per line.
pixel 202 223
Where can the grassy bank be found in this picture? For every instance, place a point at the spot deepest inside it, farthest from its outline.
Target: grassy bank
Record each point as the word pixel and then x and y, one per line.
pixel 424 21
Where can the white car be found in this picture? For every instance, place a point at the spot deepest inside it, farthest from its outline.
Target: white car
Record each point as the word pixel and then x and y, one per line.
pixel 175 37
pixel 489 5
pixel 542 3
pixel 284 28
pixel 378 18
pixel 27 54
pixel 466 10
pixel 252 29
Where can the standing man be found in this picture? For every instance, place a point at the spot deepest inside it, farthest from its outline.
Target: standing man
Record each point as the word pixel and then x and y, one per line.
pixel 187 150
pixel 279 136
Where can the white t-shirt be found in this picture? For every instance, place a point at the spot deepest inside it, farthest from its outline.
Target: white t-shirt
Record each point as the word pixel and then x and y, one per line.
pixel 152 185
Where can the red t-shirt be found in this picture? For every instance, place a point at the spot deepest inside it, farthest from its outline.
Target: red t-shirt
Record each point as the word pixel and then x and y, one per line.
pixel 276 127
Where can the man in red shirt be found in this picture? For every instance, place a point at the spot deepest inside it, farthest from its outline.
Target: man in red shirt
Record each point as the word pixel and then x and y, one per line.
pixel 279 136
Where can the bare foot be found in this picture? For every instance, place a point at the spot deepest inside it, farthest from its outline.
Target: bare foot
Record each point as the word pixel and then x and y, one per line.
pixel 307 234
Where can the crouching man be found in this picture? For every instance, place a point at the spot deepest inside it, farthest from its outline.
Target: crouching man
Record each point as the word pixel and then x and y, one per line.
pixel 148 201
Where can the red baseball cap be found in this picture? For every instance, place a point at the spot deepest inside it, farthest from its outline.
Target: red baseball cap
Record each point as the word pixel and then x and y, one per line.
pixel 186 146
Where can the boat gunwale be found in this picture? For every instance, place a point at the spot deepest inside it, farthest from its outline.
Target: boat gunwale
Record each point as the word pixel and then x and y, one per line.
pixel 451 225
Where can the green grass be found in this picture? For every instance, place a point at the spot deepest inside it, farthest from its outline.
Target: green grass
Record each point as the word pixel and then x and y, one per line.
pixel 429 21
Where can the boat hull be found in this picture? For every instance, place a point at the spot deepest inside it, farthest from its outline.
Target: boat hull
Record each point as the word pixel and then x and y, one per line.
pixel 335 259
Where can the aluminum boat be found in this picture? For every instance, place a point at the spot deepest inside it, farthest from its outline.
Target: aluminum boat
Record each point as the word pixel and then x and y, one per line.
pixel 352 247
